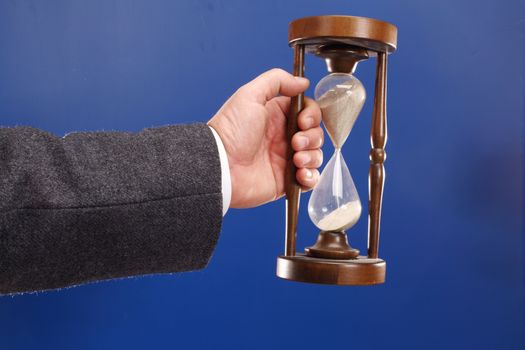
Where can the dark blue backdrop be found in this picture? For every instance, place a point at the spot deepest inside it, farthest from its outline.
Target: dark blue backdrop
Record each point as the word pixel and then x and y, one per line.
pixel 452 229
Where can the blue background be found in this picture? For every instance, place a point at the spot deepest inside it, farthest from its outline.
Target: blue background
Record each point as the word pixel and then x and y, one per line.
pixel 452 228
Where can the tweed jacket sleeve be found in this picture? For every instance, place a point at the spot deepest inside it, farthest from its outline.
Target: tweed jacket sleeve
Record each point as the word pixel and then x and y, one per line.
pixel 101 205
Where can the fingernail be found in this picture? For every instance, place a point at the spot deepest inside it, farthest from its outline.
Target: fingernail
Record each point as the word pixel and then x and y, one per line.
pixel 303 141
pixel 306 159
pixel 302 80
pixel 309 174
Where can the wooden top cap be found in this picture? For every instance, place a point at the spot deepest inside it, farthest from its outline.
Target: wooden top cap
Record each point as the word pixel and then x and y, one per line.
pixel 371 34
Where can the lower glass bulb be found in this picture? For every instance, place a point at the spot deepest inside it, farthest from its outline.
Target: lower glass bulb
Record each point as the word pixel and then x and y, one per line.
pixel 334 204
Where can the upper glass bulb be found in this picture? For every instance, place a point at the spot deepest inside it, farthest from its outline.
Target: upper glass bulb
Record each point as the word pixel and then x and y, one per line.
pixel 341 97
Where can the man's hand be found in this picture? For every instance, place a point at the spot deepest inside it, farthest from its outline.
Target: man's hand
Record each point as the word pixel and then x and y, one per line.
pixel 252 127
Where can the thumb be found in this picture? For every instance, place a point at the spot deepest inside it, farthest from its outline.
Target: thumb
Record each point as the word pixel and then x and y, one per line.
pixel 273 83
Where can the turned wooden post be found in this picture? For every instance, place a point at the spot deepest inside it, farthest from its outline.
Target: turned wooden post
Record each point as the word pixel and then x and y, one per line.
pixel 292 189
pixel 378 137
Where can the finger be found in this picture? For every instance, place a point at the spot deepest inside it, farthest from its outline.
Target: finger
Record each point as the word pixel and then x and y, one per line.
pixel 308 159
pixel 273 83
pixel 308 139
pixel 310 116
pixel 307 178
pixel 284 103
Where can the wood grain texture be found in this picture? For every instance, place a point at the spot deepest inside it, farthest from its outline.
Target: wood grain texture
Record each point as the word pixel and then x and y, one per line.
pixel 369 33
pixel 378 138
pixel 292 188
pixel 332 245
pixel 355 272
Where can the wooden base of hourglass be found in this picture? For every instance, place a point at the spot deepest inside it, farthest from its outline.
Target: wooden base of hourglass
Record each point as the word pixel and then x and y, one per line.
pixel 332 261
pixel 360 271
pixel 332 245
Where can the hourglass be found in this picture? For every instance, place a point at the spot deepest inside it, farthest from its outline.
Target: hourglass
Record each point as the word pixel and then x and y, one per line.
pixel 334 206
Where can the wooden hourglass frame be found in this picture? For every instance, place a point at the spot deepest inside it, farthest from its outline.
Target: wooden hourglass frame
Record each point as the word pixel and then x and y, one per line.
pixel 341 41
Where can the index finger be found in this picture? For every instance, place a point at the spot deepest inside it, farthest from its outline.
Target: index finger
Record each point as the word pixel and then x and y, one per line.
pixel 273 83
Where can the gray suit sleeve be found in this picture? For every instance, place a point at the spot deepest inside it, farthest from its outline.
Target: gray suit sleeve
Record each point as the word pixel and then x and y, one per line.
pixel 100 205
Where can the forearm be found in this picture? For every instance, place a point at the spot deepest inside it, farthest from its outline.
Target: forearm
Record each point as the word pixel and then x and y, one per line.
pixel 103 205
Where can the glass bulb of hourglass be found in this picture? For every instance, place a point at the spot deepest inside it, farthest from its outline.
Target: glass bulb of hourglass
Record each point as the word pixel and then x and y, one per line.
pixel 334 204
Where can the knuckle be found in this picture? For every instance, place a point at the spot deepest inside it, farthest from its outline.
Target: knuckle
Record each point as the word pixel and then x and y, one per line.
pixel 277 71
pixel 316 135
pixel 295 143
pixel 305 121
pixel 243 89
pixel 301 134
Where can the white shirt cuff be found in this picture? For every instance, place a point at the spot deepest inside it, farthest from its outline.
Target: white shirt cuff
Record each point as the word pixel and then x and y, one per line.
pixel 225 173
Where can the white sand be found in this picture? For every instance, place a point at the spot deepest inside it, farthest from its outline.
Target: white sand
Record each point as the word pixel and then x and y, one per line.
pixel 342 218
